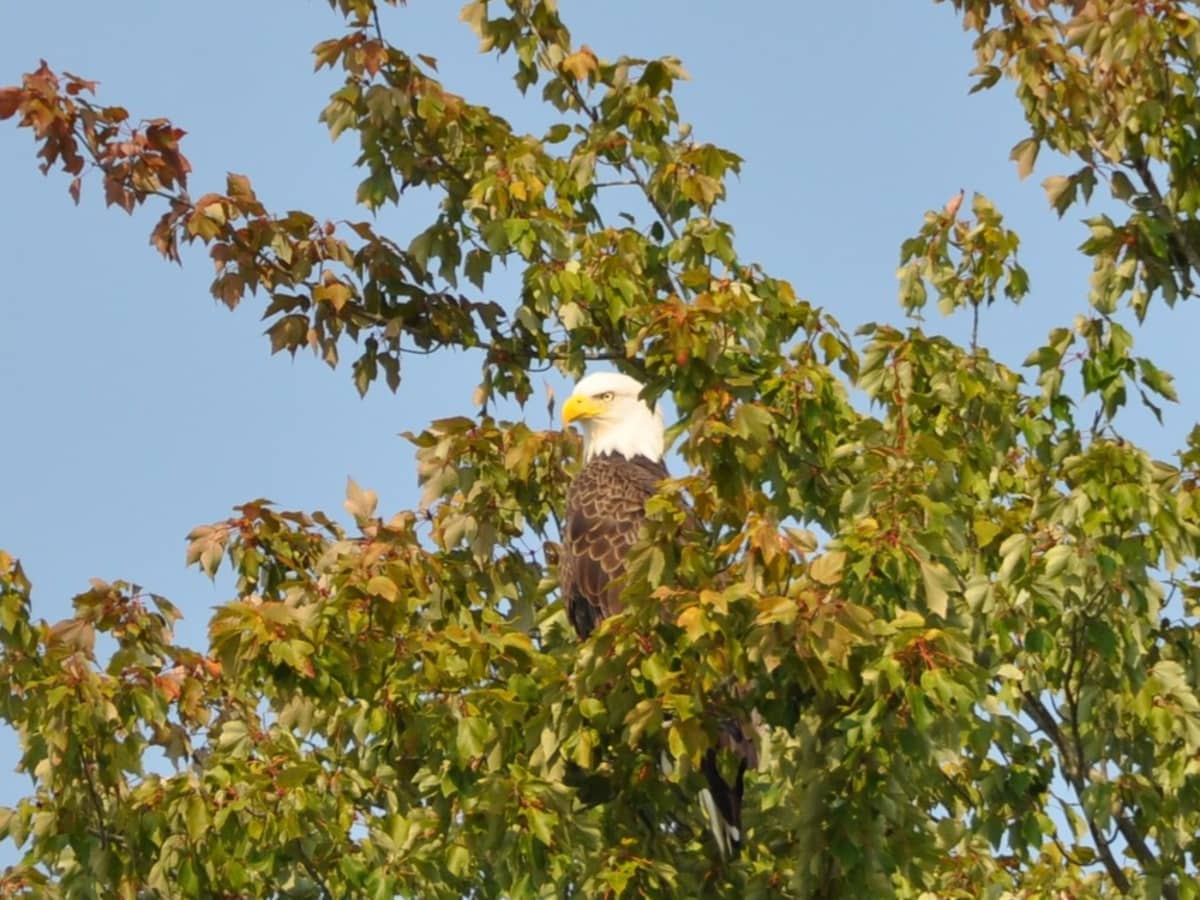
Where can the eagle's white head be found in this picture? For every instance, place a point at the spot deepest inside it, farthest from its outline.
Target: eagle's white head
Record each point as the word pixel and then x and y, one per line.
pixel 614 419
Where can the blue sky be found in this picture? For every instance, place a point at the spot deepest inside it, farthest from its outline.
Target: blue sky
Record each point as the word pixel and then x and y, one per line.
pixel 136 408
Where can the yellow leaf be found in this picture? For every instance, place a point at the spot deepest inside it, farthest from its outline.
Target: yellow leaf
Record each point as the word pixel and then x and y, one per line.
pixel 827 568
pixel 581 63
pixel 475 15
pixel 382 586
pixel 333 292
pixel 1010 672
pixel 214 211
pixel 692 621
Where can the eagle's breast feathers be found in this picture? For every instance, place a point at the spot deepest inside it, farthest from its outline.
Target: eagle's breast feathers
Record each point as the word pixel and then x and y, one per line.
pixel 605 508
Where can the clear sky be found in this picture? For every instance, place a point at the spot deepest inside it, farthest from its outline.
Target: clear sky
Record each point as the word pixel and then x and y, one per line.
pixel 135 408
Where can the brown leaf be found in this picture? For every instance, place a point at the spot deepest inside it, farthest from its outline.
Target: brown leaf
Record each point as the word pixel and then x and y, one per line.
pixel 10 101
pixel 73 634
pixel 163 239
pixel 238 187
pixel 116 194
pixel 374 55
pixel 206 546
pixel 953 205
pixel 359 503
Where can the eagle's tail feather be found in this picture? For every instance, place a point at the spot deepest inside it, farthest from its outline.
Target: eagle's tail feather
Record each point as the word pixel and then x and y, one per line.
pixel 722 805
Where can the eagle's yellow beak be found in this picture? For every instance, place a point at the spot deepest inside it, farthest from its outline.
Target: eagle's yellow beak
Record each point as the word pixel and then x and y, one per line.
pixel 579 406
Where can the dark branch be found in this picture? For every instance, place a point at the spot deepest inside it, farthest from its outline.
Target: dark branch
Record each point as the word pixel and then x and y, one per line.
pixel 1167 217
pixel 315 875
pixel 1072 766
pixel 94 794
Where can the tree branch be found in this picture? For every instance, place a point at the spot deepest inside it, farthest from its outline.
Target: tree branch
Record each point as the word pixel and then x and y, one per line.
pixel 1142 851
pixel 1132 836
pixel 1167 217
pixel 1072 769
pixel 1075 770
pixel 94 795
pixel 315 875
pixel 638 177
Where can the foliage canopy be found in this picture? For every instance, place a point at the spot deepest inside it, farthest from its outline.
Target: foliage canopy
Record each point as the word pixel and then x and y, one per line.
pixel 965 618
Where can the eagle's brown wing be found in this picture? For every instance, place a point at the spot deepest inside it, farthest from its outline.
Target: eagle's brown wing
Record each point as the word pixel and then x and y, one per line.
pixel 605 508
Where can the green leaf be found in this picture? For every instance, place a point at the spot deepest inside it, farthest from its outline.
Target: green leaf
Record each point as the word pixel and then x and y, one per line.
pixel 938 585
pixel 472 737
pixel 986 531
pixel 458 860
pixel 557 133
pixel 753 422
pixel 196 816
pixel 1162 383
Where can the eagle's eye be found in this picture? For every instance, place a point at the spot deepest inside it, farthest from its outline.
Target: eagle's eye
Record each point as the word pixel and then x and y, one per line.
pixel 606 396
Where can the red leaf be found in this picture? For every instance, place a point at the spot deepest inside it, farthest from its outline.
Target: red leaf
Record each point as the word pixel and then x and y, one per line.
pixel 10 101
pixel 43 82
pixel 374 55
pixel 75 84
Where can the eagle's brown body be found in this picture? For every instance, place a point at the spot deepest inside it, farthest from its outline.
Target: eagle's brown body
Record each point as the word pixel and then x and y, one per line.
pixel 605 508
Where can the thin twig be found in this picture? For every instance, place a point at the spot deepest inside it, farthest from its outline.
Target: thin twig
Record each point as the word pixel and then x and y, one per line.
pixel 315 875
pixel 375 20
pixel 1167 217
pixel 637 177
pixel 95 797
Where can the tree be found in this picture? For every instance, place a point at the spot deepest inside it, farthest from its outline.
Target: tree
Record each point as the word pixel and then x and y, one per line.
pixel 964 617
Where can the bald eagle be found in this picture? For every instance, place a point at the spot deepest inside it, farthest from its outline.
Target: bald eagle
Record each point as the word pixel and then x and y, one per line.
pixel 606 504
